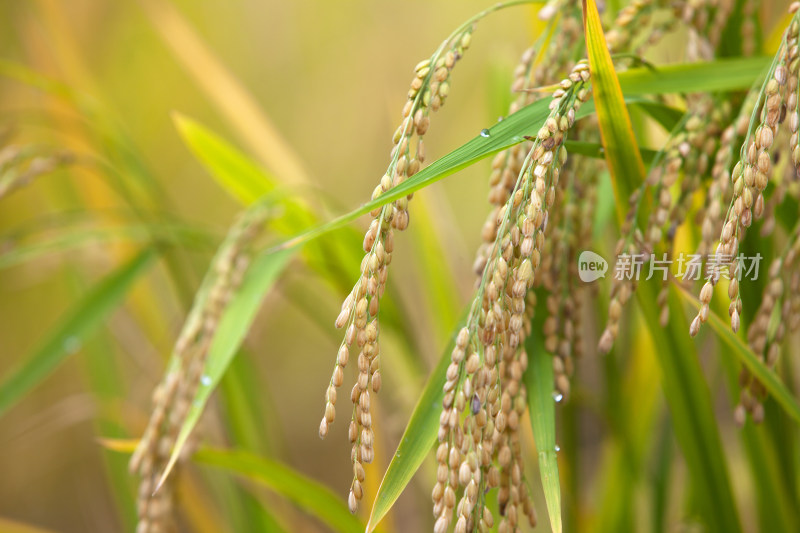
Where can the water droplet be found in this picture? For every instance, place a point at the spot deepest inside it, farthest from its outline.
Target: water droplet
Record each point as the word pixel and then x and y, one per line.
pixel 557 396
pixel 72 344
pixel 206 380
pixel 558 448
pixel 500 119
pixel 485 132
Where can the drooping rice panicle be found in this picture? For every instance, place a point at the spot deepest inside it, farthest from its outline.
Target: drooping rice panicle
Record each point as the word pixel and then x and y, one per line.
pixel 750 176
pixel 719 190
pixel 172 397
pixel 484 395
pixel 359 314
pixel 505 169
pixel 749 19
pixel 633 21
pixel 557 58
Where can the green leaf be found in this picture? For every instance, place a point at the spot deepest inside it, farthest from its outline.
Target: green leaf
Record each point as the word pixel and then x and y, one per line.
pixel 306 493
pixel 767 377
pixel 418 439
pixel 239 176
pixel 72 236
pixel 542 411
pixel 712 76
pixel 693 418
pixel 79 322
pixel 233 326
pixel 309 495
pixel 731 75
pixel 621 149
pixel 684 383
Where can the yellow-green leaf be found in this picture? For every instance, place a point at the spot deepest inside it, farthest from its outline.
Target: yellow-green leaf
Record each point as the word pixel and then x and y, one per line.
pixel 239 176
pixel 621 149
pixel 306 493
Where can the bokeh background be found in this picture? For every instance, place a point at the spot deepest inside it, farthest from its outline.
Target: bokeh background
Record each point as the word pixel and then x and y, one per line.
pixel 313 90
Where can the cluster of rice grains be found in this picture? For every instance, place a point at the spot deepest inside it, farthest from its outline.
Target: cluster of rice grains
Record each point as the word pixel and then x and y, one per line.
pixel 557 273
pixel 173 397
pixel 359 313
pixel 750 175
pixel 776 101
pixel 485 399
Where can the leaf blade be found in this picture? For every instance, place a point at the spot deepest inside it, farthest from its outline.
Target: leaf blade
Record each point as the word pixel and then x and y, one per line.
pixel 746 356
pixel 541 409
pixel 237 175
pixel 81 321
pixel 730 75
pixel 303 491
pixel 616 130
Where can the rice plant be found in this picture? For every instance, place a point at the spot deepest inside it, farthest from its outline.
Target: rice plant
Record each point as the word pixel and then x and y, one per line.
pixel 608 344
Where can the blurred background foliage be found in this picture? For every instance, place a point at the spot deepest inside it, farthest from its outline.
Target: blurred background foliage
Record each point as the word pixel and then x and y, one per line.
pixel 312 91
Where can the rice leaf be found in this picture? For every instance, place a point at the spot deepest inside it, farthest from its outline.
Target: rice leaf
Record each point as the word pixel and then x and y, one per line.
pixel 621 149
pixel 767 377
pixel 731 75
pixel 542 411
pixel 693 418
pixel 306 493
pixel 71 237
pixel 239 176
pixel 233 326
pixel 712 76
pixel 78 324
pixel 418 439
